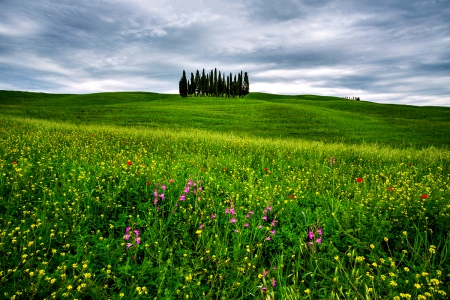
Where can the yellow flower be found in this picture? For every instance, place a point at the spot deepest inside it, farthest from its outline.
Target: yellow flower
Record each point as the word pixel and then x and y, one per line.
pixel 417 286
pixel 393 283
pixel 406 269
pixel 386 239
pixel 121 295
pixel 336 258
pixel 372 246
pixel 198 232
pixel 307 291
pixel 69 287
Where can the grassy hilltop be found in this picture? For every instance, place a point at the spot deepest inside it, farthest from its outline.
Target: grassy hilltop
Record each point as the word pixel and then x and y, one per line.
pixel 307 117
pixel 144 195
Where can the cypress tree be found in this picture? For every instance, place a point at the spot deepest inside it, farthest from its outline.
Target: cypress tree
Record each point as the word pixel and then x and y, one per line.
pixel 211 83
pixel 203 83
pixel 219 85
pixel 193 87
pixel 197 83
pixel 183 85
pixel 246 85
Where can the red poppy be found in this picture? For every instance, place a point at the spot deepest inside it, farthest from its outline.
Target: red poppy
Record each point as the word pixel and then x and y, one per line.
pixel 359 180
pixel 224 169
pixel 292 196
pixel 148 182
pixel 15 163
pixel 265 169
pixel 129 163
pixel 424 196
pixel 390 188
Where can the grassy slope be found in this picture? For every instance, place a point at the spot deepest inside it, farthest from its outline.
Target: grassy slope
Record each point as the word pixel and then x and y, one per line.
pixel 317 118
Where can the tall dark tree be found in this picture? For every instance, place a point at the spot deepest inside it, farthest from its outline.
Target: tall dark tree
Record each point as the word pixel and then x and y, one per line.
pixel 193 87
pixel 183 85
pixel 224 83
pixel 219 85
pixel 197 83
pixel 216 83
pixel 245 85
pixel 204 83
pixel 239 84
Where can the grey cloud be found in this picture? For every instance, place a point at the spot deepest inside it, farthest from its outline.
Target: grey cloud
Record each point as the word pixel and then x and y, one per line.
pixel 388 51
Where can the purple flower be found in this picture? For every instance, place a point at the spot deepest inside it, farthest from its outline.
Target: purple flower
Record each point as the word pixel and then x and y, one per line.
pixel 272 232
pixel 274 282
pixel 200 188
pixel 319 231
pixel 260 226
pixel 264 289
pixel 311 235
pixel 264 273
pixel 319 241
pixel 138 240
pixel 233 220
pixel 186 190
pixel 155 201
pixel 201 226
pixel 155 193
pixel 270 208
pixel 252 212
pixel 248 216
pixel 268 238
pixel 247 225
pixel 227 210
pixel 161 196
pixel 212 216
pixel 127 236
pixel 163 187
pixel 265 218
pixel 273 222
pixel 136 231
pixel 182 197
pixel 129 245
pixel 127 229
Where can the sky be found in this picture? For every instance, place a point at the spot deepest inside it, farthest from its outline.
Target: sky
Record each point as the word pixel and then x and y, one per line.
pixel 395 51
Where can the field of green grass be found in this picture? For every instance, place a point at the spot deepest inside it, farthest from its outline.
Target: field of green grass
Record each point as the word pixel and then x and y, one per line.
pixel 313 118
pixel 150 196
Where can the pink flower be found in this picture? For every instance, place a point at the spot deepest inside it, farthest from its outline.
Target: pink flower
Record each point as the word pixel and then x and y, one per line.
pixel 227 210
pixel 127 236
pixel 260 226
pixel 136 231
pixel 311 235
pixel 264 289
pixel 127 229
pixel 233 220
pixel 129 245
pixel 268 238
pixel 163 187
pixel 319 241
pixel 272 232
pixel 265 218
pixel 201 226
pixel 186 190
pixel 182 197
pixel 264 273
pixel 274 282
pixel 138 240
pixel 319 231
pixel 248 216
pixel 161 196
pixel 171 180
pixel 236 231
pixel 247 225
pixel 270 208
pixel 212 216
pixel 273 222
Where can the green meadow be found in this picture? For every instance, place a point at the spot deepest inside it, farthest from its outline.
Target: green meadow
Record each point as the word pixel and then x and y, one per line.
pixel 153 196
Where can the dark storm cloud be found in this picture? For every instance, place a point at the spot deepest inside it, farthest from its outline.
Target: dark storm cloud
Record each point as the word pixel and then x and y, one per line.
pixel 383 51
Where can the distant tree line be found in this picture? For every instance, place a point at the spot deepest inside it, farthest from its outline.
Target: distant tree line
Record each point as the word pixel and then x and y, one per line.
pixel 214 84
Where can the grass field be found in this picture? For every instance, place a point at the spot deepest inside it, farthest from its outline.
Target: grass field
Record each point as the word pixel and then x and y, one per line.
pixel 141 195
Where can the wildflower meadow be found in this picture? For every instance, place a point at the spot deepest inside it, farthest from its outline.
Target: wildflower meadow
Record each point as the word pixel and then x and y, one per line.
pixel 104 212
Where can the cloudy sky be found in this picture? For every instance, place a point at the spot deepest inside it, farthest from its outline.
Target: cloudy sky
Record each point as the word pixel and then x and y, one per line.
pixel 395 51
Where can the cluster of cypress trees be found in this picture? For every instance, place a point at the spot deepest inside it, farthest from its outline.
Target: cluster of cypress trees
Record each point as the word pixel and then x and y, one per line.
pixel 214 84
